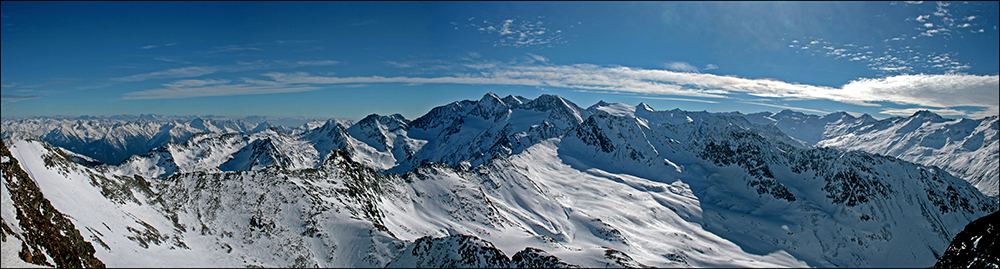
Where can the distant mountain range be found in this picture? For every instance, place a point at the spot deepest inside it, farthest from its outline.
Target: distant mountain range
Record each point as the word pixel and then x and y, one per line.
pixel 502 182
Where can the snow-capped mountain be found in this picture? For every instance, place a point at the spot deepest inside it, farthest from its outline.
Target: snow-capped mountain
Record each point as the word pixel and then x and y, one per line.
pixel 967 148
pixel 504 182
pixel 112 140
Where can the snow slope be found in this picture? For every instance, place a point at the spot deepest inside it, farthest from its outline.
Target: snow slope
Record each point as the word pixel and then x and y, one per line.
pixel 968 148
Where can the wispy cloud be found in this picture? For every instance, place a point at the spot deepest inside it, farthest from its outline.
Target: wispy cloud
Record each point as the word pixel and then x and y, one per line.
pixel 232 48
pixel 146 47
pixel 710 67
pixel 319 63
pixel 519 33
pixel 678 99
pixel 681 67
pixel 14 98
pixel 787 107
pixel 49 84
pixel 184 72
pixel 203 88
pixel 910 111
pixel 18 97
pixel 537 57
pixel 197 71
pixel 890 60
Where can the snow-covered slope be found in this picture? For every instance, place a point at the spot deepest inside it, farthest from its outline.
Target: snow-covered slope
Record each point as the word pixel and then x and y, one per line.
pixel 817 204
pixel 507 182
pixel 967 148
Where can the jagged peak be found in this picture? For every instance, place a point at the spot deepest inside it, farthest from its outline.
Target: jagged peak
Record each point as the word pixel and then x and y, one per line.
pixel 788 113
pixel 514 101
pixel 547 102
pixel 644 106
pixel 867 117
pixel 490 97
pixel 491 100
pixel 838 115
pixel 926 114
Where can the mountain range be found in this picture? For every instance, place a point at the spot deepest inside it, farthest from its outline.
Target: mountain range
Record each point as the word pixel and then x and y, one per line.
pixel 499 182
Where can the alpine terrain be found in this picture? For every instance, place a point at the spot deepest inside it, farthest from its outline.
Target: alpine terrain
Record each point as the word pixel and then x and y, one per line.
pixel 497 182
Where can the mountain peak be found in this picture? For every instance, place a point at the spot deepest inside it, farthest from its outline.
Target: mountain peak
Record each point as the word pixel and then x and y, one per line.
pixel 926 114
pixel 787 113
pixel 644 106
pixel 838 115
pixel 547 102
pixel 490 106
pixel 514 101
pixel 490 96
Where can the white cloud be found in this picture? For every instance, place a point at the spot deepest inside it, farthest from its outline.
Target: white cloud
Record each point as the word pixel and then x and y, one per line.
pixel 320 63
pixel 196 83
pixel 203 88
pixel 537 57
pixel 678 99
pixel 681 67
pixel 788 107
pixel 911 111
pixel 941 10
pixel 710 67
pixel 184 72
pixel 520 33
pixel 197 71
pixel 941 91
pixel 398 64
pixel 232 48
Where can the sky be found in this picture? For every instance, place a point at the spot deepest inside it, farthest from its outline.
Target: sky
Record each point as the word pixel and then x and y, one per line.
pixel 351 59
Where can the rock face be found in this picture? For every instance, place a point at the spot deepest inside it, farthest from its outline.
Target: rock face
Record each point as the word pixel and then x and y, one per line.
pixel 48 237
pixel 465 251
pixel 975 246
pixel 458 251
pixel 536 258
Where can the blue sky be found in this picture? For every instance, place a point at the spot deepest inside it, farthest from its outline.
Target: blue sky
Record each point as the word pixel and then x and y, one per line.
pixel 350 59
